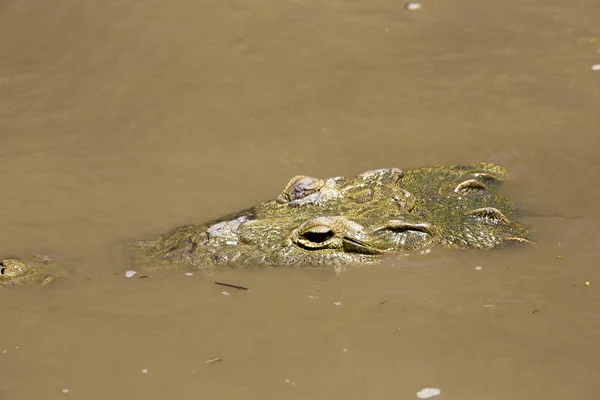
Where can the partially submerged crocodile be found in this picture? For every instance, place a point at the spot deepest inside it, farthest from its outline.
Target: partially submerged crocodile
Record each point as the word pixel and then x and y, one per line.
pixel 345 220
pixel 15 272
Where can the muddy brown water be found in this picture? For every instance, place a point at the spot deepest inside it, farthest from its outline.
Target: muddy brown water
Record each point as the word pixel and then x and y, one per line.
pixel 124 119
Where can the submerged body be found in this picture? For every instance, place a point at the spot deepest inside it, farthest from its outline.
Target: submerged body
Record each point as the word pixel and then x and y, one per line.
pixel 337 221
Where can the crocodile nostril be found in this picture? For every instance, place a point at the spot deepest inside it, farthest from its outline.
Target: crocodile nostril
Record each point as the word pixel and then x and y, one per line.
pixel 399 226
pixel 300 187
pixel 2 270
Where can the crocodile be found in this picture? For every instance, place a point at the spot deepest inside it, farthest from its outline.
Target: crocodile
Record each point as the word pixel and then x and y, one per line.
pixel 14 272
pixel 338 221
pixel 345 220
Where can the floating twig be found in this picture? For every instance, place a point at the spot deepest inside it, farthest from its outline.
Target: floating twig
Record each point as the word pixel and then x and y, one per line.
pixel 213 360
pixel 232 286
pixel 534 311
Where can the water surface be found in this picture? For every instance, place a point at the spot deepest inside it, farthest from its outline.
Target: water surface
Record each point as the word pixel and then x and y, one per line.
pixel 125 119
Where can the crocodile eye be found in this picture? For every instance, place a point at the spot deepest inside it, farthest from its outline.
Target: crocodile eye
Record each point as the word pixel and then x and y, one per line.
pixel 2 268
pixel 334 234
pixel 318 237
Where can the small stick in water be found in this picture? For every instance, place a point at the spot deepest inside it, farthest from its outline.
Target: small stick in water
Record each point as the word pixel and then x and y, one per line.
pixel 233 286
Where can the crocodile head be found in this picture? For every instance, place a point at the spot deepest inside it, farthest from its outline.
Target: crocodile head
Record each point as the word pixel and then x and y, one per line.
pixel 342 220
pixel 15 272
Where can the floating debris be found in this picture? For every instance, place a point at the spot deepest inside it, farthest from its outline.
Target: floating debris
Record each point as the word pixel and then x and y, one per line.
pixel 129 274
pixel 213 360
pixel 428 392
pixel 338 303
pixel 144 371
pixel 231 286
pixel 596 67
pixel 143 276
pixel 412 6
pixel 189 274
pixel 65 390
pixel 588 283
pixel 478 268
pixel 534 311
pixel 225 293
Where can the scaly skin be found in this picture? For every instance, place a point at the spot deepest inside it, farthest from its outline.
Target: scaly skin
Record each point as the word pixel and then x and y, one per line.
pixel 14 272
pixel 337 221
pixel 345 220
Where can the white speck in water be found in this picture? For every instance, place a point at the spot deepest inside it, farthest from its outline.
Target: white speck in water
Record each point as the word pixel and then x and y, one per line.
pixel 65 390
pixel 412 6
pixel 189 274
pixel 129 274
pixel 338 303
pixel 144 371
pixel 478 268
pixel 4 351
pixel 596 67
pixel 225 293
pixel 428 392
pixel 345 350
